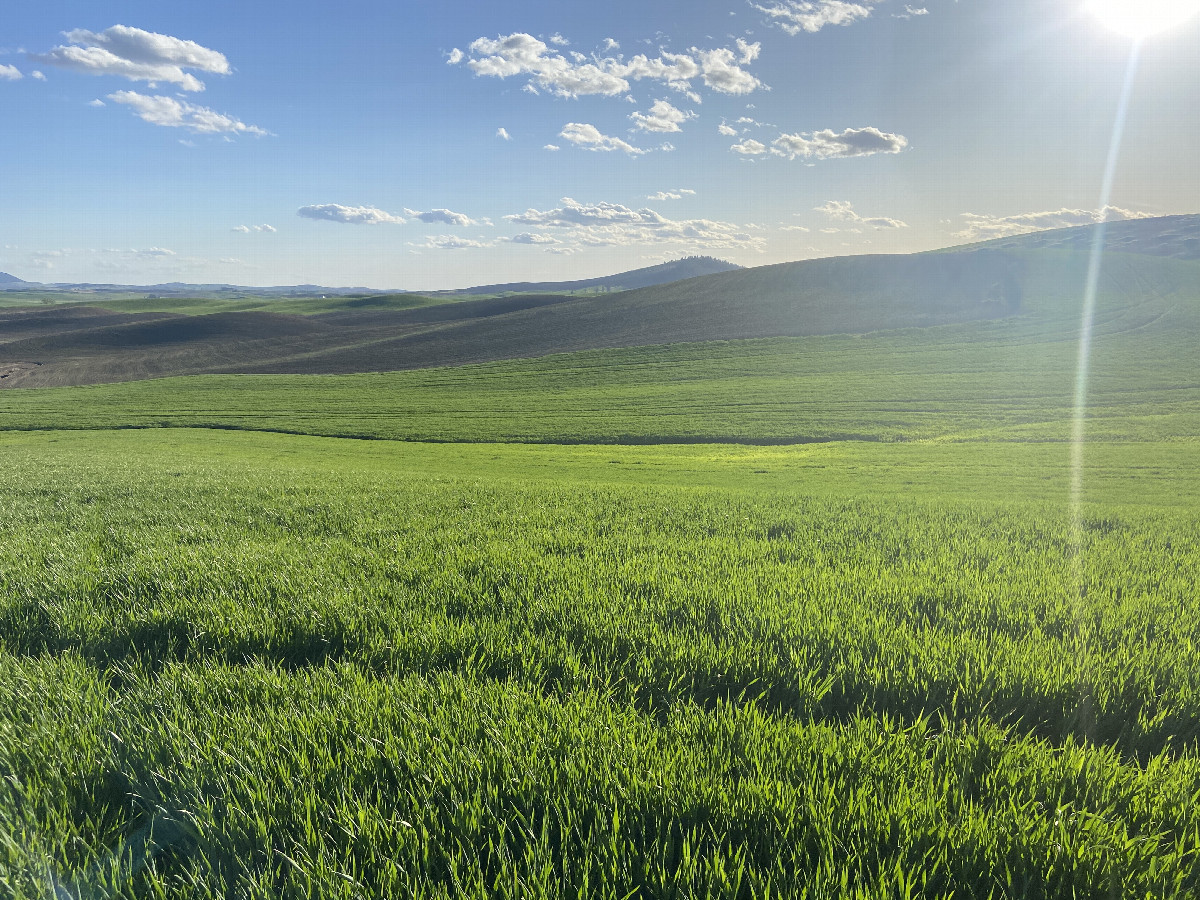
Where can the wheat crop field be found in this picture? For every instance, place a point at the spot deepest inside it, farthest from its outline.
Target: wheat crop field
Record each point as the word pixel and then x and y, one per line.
pixel 273 665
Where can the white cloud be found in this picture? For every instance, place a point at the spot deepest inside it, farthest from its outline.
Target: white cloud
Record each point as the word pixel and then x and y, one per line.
pixel 663 117
pixel 589 138
pixel 450 242
pixel 793 228
pixel 454 57
pixel 677 194
pixel 910 11
pixel 828 144
pixel 242 229
pixel 171 113
pixel 136 55
pixel 983 227
pixel 503 134
pixel 610 45
pixel 552 147
pixel 722 72
pixel 611 224
pixel 247 229
pixel 748 53
pixel 726 130
pixel 794 16
pixel 98 61
pixel 749 147
pixel 523 54
pixel 350 215
pixel 150 48
pixel 573 213
pixel 441 217
pixel 96 103
pixel 844 212
pixel 533 238
pixel 559 40
pixel 10 73
pixel 675 69
pixel 37 76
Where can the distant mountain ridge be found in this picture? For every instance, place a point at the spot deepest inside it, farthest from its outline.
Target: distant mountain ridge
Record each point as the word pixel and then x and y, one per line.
pixel 663 273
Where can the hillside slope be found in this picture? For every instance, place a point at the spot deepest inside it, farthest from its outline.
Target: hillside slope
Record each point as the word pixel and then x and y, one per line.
pixel 1005 379
pixel 663 273
pixel 1036 276
pixel 853 294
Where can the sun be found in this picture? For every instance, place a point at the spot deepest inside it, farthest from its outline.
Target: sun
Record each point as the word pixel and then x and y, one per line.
pixel 1142 18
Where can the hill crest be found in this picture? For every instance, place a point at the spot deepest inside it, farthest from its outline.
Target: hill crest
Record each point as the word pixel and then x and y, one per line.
pixel 648 276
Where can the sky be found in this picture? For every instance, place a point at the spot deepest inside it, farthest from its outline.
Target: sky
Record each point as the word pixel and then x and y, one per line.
pixel 419 146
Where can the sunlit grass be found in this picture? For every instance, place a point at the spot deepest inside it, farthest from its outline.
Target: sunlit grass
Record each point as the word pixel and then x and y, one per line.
pixel 265 665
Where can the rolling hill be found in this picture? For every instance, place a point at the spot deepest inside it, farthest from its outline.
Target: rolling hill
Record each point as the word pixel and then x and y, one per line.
pixel 663 273
pixel 816 297
pixel 1035 277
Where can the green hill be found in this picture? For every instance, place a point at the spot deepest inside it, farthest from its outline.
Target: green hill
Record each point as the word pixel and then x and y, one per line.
pixel 663 273
pixel 1006 378
pixel 856 294
pixel 1038 286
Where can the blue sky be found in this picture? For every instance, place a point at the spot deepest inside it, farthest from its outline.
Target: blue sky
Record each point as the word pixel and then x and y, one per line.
pixel 433 145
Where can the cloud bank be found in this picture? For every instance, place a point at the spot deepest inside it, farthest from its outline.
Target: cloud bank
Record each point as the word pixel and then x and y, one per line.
pixel 613 225
pixel 984 227
pixel 795 16
pixel 521 54
pixel 826 144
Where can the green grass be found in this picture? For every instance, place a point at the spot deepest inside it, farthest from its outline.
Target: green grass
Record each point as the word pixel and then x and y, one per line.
pixel 581 650
pixel 1004 380
pixel 1009 379
pixel 266 665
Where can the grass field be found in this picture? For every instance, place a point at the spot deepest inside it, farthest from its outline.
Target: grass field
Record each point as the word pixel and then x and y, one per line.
pixel 790 617
pixel 1001 380
pixel 267 665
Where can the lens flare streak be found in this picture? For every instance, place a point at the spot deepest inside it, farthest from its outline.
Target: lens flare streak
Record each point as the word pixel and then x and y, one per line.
pixel 1082 374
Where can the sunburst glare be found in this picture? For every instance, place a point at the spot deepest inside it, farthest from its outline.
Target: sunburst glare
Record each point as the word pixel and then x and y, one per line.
pixel 1142 18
